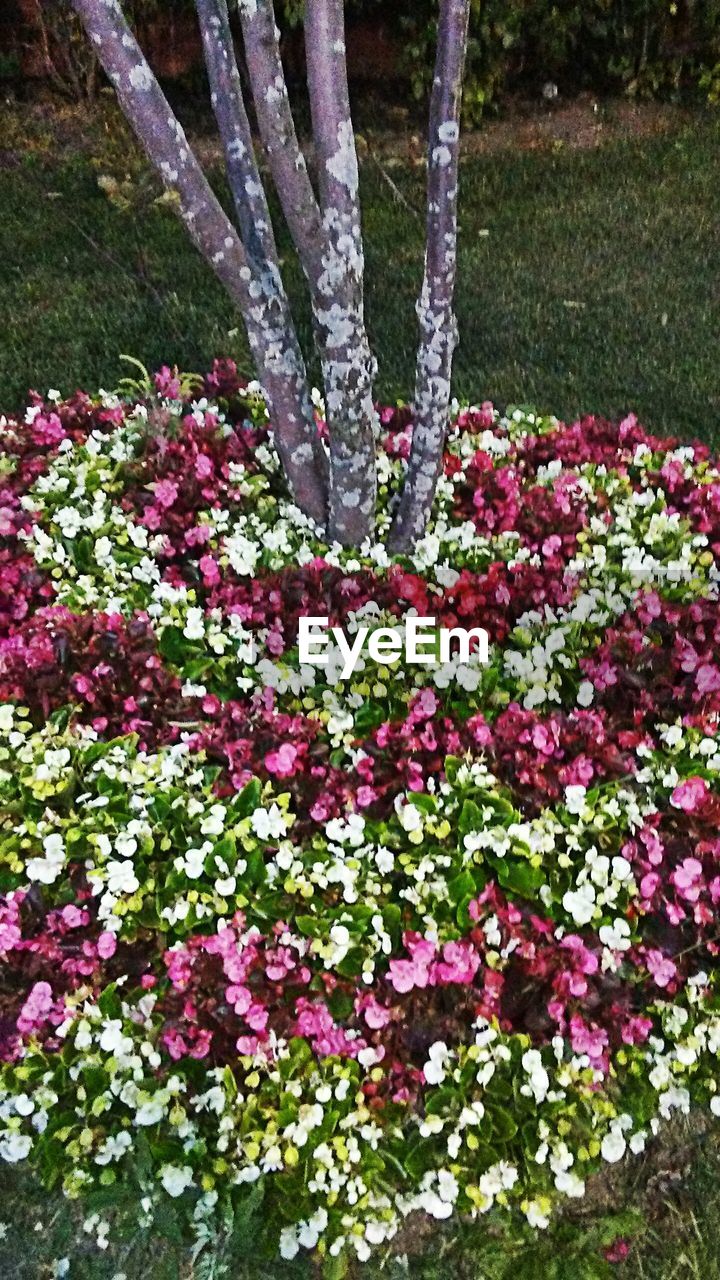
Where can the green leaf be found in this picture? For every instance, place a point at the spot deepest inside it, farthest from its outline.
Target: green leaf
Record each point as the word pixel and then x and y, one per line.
pixel 335 1268
pixel 173 645
pixel 452 765
pixel 520 877
pixel 462 887
pixel 249 799
pixel 471 818
pixel 503 1124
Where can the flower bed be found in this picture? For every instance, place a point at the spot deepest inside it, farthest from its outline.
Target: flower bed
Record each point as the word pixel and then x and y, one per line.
pixel 436 940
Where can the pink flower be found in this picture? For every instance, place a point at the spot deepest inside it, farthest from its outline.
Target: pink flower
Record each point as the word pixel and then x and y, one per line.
pixel 257 1017
pixel 637 1029
pixel 685 877
pixel 690 794
pixel 106 945
pixel 282 761
pixel 425 704
pixel 460 963
pixel 73 917
pixel 375 1014
pixel 662 969
pixel 551 545
pixel 365 796
pixel 617 1251
pixel 649 884
pixel 407 974
pixel 166 492
pixel 209 570
pixel 36 1008
pixel 587 1040
pixel 707 679
pixel 167 383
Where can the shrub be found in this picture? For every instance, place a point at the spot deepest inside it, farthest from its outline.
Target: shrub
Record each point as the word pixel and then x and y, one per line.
pixel 648 48
pixel 433 940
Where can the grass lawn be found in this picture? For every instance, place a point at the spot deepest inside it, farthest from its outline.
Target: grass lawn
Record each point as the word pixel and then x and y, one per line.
pixel 588 282
pixel 588 277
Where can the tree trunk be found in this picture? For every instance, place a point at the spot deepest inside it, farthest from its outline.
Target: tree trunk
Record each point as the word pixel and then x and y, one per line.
pixel 348 366
pixel 438 329
pixel 262 302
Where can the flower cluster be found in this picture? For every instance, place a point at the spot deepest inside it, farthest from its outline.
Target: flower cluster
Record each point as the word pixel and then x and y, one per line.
pixel 437 939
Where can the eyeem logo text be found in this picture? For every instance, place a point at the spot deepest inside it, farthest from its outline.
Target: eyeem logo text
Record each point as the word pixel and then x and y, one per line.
pixel 419 642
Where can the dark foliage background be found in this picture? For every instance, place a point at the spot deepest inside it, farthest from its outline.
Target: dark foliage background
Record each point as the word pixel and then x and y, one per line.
pixel 640 47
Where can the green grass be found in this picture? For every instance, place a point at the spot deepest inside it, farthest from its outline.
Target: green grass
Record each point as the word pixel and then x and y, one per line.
pixel 594 289
pixel 667 1204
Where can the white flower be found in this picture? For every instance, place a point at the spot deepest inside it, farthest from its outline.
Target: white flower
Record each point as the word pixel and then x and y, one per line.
pixel 69 520
pixel 176 1179
pixel 622 869
pixel 242 553
pixel 14 1146
pixel 575 799
pixel 194 627
pixel 125 845
pixel 272 1159
pixel 309 1232
pixel 539 1079
pixel 434 1205
pixel 434 1069
pixel 214 823
pixel 150 1112
pixel 570 1184
pixel 121 878
pixel 536 1215
pixel 616 936
pixel 349 831
pixel 268 824
pixel 580 903
pixel 448 1188
pixel 193 864
pixel 613 1146
pixel 114 1147
pixel 410 818
pixel 289 1243
pixel 112 1039
pixel 468 677
pixel 46 870
pixel 384 860
pixel 585 694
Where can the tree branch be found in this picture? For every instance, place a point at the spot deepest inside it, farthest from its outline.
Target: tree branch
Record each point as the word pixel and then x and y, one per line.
pixel 275 350
pixel 438 328
pixel 228 104
pixel 279 137
pixel 245 182
pixel 348 366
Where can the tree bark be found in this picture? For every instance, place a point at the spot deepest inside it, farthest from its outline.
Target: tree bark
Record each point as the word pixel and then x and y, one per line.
pixel 271 335
pixel 438 328
pixel 279 137
pixel 348 365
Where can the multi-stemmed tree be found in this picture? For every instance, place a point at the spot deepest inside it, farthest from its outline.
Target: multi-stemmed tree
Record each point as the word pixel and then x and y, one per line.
pixel 324 221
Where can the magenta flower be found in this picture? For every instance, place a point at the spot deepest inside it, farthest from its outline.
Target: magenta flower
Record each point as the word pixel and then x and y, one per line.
pixel 283 761
pixel 690 794
pixel 661 967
